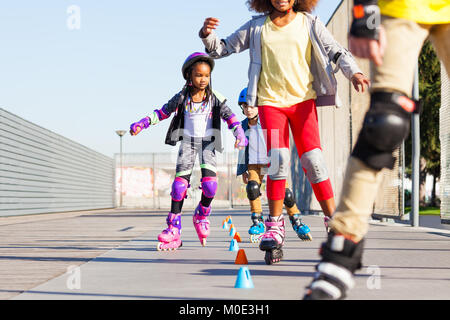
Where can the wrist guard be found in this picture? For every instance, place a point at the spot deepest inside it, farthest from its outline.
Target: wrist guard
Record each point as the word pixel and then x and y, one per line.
pixel 366 19
pixel 240 135
pixel 137 127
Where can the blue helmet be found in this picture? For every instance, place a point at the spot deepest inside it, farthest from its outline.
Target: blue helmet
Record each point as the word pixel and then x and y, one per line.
pixel 242 96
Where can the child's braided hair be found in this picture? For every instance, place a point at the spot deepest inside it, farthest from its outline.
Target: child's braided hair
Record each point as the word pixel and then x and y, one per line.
pixel 189 64
pixel 188 84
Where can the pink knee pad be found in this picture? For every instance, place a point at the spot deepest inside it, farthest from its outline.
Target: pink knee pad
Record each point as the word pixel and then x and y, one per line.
pixel 209 186
pixel 179 189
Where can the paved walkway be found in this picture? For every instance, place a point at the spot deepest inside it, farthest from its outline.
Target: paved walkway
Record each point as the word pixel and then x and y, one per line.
pixel 111 254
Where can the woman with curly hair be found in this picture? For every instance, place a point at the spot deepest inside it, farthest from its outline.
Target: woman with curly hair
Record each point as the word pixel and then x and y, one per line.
pixel 290 73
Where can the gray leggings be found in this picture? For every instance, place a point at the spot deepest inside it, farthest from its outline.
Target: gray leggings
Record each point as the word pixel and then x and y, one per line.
pixel 189 149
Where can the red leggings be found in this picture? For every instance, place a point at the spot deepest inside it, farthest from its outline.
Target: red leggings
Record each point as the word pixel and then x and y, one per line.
pixel 302 119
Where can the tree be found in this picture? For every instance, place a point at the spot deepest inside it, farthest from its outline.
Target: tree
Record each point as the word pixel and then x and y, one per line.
pixel 430 96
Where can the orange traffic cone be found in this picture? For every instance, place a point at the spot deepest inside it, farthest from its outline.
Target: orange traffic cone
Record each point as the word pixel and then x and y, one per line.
pixel 241 258
pixel 232 230
pixel 237 236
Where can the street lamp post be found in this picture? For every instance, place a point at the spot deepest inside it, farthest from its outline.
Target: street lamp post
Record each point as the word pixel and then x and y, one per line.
pixel 121 133
pixel 415 165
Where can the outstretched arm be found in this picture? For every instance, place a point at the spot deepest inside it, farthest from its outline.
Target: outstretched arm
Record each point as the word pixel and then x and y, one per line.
pixel 219 48
pixel 367 38
pixel 157 115
pixel 342 58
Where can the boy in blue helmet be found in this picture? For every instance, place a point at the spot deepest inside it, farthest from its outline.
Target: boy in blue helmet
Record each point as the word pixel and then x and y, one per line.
pixel 252 165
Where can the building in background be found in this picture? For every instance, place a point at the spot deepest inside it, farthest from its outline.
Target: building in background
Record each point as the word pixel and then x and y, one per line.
pixel 43 172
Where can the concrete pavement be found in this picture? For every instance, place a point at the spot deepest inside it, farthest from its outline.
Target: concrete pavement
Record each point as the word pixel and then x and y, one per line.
pixel 112 254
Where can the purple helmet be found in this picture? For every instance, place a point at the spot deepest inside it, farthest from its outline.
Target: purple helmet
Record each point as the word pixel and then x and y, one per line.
pixel 193 58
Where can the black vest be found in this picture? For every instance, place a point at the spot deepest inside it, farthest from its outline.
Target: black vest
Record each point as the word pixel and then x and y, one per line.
pixel 175 132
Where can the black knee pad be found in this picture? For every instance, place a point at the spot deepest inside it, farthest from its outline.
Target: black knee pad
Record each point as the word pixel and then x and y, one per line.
pixel 386 125
pixel 289 199
pixel 253 190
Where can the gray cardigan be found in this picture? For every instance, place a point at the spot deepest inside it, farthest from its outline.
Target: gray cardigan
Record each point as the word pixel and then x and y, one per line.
pixel 324 51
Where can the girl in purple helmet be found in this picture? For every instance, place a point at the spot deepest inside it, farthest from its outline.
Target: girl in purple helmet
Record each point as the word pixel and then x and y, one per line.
pixel 196 125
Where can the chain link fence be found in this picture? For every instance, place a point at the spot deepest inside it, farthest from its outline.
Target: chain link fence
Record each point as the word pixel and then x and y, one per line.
pixel 444 133
pixel 390 200
pixel 145 181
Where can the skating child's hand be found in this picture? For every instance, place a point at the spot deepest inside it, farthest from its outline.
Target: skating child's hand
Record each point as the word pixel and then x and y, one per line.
pixel 358 79
pixel 209 25
pixel 240 145
pixel 137 127
pixel 369 48
pixel 367 35
pixel 241 139
pixel 245 177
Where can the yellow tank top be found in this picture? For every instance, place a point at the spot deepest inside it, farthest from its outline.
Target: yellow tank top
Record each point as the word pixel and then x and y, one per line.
pixel 420 11
pixel 285 78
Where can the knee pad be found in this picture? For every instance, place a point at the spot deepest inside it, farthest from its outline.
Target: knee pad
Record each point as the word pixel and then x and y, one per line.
pixel 386 125
pixel 209 186
pixel 314 165
pixel 179 189
pixel 289 199
pixel 279 163
pixel 253 190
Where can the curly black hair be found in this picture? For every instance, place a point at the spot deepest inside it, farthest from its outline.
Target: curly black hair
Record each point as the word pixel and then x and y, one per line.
pixel 265 6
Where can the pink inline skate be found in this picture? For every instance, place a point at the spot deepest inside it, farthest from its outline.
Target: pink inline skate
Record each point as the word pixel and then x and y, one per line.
pixel 201 222
pixel 170 238
pixel 272 240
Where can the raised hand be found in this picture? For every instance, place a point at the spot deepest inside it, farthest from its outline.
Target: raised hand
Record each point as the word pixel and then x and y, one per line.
pixel 209 25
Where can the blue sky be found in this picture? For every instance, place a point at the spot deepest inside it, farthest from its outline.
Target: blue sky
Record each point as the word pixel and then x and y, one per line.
pixel 123 62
